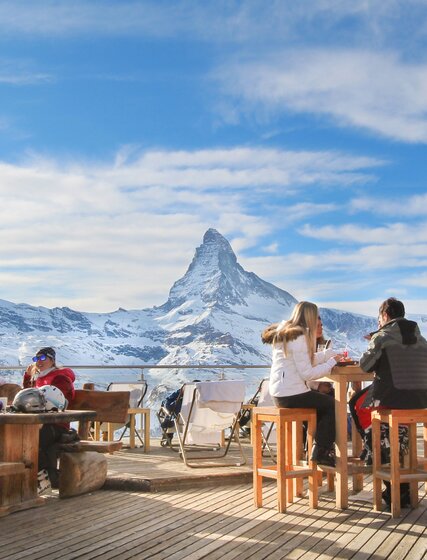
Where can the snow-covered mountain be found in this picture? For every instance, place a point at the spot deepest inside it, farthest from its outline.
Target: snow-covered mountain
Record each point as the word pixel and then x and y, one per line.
pixel 214 315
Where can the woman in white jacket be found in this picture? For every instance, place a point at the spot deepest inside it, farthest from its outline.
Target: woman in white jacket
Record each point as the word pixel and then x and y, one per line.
pixel 295 363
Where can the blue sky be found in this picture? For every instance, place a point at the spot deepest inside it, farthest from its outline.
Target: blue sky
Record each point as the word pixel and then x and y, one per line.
pixel 297 129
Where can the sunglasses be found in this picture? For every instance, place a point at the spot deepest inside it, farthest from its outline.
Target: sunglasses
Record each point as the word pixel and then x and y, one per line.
pixel 40 357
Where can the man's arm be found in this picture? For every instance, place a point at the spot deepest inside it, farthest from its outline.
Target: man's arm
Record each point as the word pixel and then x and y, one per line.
pixel 369 358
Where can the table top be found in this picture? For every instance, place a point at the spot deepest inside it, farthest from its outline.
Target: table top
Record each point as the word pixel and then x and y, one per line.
pixel 348 373
pixel 46 417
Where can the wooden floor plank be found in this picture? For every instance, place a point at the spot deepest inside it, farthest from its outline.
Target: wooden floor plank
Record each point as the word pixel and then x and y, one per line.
pixel 419 549
pixel 88 524
pixel 394 532
pixel 202 521
pixel 119 525
pixel 122 537
pixel 200 515
pixel 205 523
pixel 258 534
pixel 242 515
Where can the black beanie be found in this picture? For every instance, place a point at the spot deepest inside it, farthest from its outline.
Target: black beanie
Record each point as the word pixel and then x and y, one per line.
pixel 48 351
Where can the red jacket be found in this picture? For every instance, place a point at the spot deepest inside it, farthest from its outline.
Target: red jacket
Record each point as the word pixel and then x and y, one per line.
pixel 63 378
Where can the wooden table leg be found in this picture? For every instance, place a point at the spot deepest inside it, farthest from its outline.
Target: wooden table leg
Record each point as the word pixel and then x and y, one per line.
pixel 146 418
pixel 20 443
pixel 341 444
pixel 132 428
pixel 356 446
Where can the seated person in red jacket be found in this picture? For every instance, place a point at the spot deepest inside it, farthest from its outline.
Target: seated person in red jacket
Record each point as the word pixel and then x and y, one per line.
pixel 44 371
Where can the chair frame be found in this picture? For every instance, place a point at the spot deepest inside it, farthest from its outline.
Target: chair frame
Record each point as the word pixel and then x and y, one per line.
pixel 414 472
pixel 140 401
pixel 181 427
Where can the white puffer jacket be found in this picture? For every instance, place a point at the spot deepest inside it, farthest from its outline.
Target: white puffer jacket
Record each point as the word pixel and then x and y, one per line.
pixel 289 374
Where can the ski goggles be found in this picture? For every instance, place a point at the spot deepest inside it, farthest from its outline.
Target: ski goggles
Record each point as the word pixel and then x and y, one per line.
pixel 40 357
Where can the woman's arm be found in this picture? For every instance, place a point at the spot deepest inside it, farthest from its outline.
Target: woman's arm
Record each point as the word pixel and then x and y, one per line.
pixel 323 356
pixel 303 364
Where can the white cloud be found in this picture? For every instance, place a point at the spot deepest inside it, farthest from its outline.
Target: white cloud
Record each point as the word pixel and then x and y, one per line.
pixel 21 73
pixel 352 269
pixel 395 233
pixel 420 280
pixel 229 22
pixel 408 206
pixel 376 91
pixel 85 233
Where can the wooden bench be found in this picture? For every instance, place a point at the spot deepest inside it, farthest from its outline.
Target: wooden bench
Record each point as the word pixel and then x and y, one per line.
pixel 81 470
pixel 110 406
pixel 9 390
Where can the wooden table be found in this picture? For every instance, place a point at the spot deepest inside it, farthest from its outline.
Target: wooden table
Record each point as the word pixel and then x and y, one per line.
pixel 341 377
pixel 19 443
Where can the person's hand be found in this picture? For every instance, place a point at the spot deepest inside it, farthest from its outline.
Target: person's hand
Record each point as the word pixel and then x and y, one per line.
pixel 338 357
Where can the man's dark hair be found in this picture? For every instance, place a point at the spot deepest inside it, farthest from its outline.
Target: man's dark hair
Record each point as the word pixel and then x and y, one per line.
pixel 393 307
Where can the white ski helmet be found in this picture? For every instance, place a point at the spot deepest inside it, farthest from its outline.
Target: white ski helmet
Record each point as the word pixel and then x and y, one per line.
pixel 54 398
pixel 29 400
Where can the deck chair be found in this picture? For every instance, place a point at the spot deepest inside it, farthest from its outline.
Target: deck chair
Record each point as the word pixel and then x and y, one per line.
pixel 245 416
pixel 208 408
pixel 137 390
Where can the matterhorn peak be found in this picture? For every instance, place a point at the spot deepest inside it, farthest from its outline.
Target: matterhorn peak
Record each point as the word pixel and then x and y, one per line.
pixel 215 278
pixel 215 250
pixel 213 238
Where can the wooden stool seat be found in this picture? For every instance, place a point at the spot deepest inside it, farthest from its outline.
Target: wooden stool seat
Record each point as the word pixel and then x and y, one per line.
pixel 285 470
pixel 414 471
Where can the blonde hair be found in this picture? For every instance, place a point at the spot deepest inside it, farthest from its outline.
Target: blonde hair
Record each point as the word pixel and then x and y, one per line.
pixel 302 321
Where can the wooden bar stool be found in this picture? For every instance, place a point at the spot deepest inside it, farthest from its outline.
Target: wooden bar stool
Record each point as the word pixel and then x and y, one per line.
pixel 414 472
pixel 285 470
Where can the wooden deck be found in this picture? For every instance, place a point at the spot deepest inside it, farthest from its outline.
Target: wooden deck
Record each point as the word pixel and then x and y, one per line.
pixel 162 469
pixel 192 514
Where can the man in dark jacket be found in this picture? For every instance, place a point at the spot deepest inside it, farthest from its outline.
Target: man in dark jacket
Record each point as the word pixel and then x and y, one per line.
pixel 397 354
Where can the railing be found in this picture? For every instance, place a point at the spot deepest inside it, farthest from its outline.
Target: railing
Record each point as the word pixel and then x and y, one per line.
pixel 82 379
pixel 149 366
pixel 144 367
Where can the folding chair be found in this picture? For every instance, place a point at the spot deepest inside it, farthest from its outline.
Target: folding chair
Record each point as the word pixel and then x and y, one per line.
pixel 208 408
pixel 138 390
pixel 245 417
